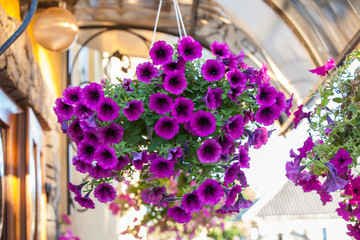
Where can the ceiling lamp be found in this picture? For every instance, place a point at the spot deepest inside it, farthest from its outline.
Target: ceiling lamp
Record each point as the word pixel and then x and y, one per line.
pixel 55 29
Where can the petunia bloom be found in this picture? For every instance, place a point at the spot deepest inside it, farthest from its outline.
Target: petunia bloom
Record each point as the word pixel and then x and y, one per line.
pixel 107 110
pixel 162 168
pixel 63 110
pixel 106 157
pixel 146 71
pixel 175 82
pixel 182 109
pixel 191 202
pixel 160 103
pixel 189 49
pixel 267 95
pixel 234 92
pixel 243 157
pixel 72 95
pixel 209 152
pixel 226 142
pixel 104 192
pixel 267 115
pixel 92 94
pixel 161 53
pixel 152 195
pixel 231 173
pixel 341 161
pixel 220 49
pixel 139 159
pixel 111 134
pixel 231 196
pixel 210 192
pixel 176 65
pixel 324 69
pixel 122 162
pixel 299 115
pixel 167 127
pixel 333 182
pixel 235 126
pixel 85 201
pixel 86 151
pixel 82 111
pixel 203 123
pixel 133 110
pixel 76 188
pixel 179 214
pixel 236 78
pixel 212 70
pixel 126 85
pixel 213 98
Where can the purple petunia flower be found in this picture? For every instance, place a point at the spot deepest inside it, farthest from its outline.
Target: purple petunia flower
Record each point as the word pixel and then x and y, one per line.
pixel 63 110
pixel 232 61
pixel 152 195
pixel 324 69
pixel 243 157
pixel 293 171
pixel 267 95
pixel 226 142
pixel 104 193
pixel 174 153
pixel 133 110
pixel 212 70
pixel 91 137
pixel 280 101
pixel 179 214
pixel 122 162
pixel 172 66
pixel 231 196
pixel 111 134
pixel 220 49
pixel 209 152
pixel 146 71
pixel 167 127
pixel 203 123
pixel 72 95
pixel 262 76
pixel 189 49
pixel 139 159
pixel 126 85
pixel 92 94
pixel 86 151
pixel 85 201
pixel 74 130
pixel 81 166
pixel 82 111
pixel 210 192
pixel 231 173
pixel 98 172
pixel 106 157
pixel 261 137
pixel 161 53
pixel 76 188
pixel 161 167
pixel 182 109
pixel 333 182
pixel 299 115
pixel 107 110
pixel 341 161
pixel 289 105
pixel 191 202
pixel 175 82
pixel 235 126
pixel 213 98
pixel 242 202
pixel 267 115
pixel 234 92
pixel 160 103
pixel 236 78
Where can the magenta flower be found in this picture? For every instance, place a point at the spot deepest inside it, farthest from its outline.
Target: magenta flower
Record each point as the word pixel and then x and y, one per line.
pixel 104 193
pixel 213 98
pixel 161 53
pixel 213 70
pixel 226 142
pixel 152 195
pixel 220 49
pixel 235 126
pixel 72 95
pixel 146 71
pixel 289 105
pixel 300 115
pixel 267 95
pixel 162 168
pixel 107 109
pixel 189 49
pixel 341 161
pixel 68 235
pixel 231 196
pixel 174 153
pixel 324 69
pixel 293 171
pixel 191 202
pixel 86 151
pixel 122 162
pixel 126 85
pixel 175 82
pixel 231 173
pixel 63 110
pixel 182 109
pixel 76 188
pixel 333 182
pixel 91 137
pixel 267 115
pixel 209 152
pixel 133 110
pixel 82 111
pixel 262 76
pixel 98 172
pixel 234 92
pixel 167 127
pixel 243 157
pixel 92 94
pixel 139 159
pixel 111 134
pixel 75 130
pixel 160 103
pixel 82 167
pixel 106 157
pixel 172 66
pixel 261 138
pixel 85 201
pixel 179 214
pixel 210 192
pixel 236 77
pixel 203 123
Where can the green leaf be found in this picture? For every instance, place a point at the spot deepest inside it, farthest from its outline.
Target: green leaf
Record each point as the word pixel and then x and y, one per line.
pixel 338 100
pixel 156 142
pixel 133 139
pixel 149 121
pixel 324 102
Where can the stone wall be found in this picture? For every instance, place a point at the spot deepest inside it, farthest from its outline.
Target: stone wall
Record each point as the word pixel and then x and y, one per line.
pixel 21 78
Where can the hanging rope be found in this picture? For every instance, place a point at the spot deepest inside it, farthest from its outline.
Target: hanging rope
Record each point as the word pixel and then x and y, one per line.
pixel 177 11
pixel 177 18
pixel 155 27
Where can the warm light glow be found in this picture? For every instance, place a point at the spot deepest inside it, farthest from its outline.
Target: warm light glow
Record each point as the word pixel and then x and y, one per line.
pixel 12 8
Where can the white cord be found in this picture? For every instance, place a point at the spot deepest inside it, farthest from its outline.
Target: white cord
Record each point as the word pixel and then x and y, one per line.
pixel 177 18
pixel 155 27
pixel 181 19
